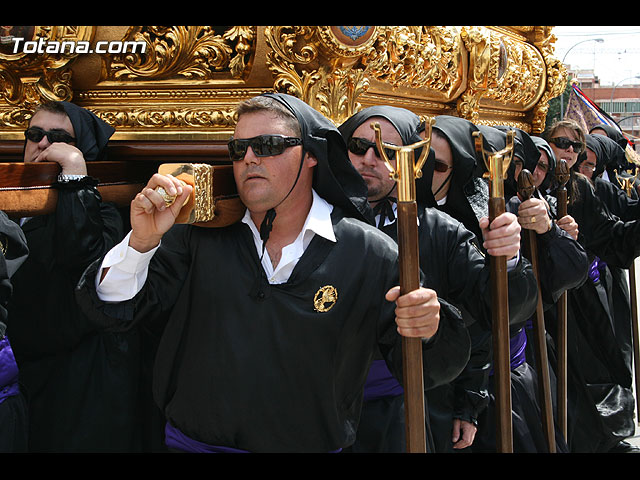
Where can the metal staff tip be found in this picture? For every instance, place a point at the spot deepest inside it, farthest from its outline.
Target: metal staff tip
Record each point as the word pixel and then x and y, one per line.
pixel 406 170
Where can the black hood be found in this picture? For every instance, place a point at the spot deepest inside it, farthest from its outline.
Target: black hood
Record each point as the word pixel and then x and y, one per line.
pixel 613 133
pixel 92 133
pixel 609 154
pixel 543 145
pixel 335 179
pixel 459 133
pixel 408 126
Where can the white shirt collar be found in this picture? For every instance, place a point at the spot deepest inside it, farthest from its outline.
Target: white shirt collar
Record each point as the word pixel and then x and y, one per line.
pixel 318 222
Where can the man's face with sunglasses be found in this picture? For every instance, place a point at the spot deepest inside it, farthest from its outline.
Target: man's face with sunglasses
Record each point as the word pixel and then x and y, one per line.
pixel 443 164
pixel 566 146
pixel 46 128
pixel 588 165
pixel 542 168
pixel 364 156
pixel 266 158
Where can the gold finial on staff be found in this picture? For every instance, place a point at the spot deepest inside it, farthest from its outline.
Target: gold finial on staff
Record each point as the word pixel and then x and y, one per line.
pixel 497 163
pixel 406 171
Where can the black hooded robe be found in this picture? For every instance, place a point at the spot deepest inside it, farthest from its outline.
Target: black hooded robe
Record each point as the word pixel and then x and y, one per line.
pixel 446 248
pixel 467 199
pixel 81 382
pixel 251 366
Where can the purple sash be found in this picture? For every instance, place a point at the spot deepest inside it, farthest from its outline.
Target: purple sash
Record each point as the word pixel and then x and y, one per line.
pixel 594 269
pixel 177 440
pixel 517 345
pixel 380 382
pixel 8 371
pixel 174 438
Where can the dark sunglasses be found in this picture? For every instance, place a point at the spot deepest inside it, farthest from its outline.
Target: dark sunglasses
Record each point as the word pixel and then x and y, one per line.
pixel 441 167
pixel 564 143
pixel 35 134
pixel 359 146
pixel 262 145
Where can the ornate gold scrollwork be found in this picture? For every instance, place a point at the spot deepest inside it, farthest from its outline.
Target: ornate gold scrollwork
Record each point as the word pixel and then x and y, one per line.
pixel 189 79
pixel 186 52
pixel 27 77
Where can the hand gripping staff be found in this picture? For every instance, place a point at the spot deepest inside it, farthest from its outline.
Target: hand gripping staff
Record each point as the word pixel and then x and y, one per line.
pixel 526 189
pixel 405 174
pixel 562 177
pixel 626 183
pixel 497 164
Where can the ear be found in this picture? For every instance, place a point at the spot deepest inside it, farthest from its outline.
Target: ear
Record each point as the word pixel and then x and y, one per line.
pixel 310 161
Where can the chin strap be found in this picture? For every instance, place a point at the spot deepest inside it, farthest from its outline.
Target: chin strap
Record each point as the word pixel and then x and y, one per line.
pixel 443 184
pixel 269 217
pixel 384 208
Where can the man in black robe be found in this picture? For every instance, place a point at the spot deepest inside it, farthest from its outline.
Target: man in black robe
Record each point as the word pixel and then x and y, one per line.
pixel 562 265
pixel 14 427
pixel 453 266
pixel 272 321
pixel 80 381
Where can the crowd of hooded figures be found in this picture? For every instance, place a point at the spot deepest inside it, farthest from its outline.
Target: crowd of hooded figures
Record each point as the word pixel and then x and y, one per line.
pixel 124 331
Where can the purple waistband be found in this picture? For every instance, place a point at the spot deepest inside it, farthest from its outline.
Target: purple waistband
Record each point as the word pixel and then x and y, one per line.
pixel 174 438
pixel 177 440
pixel 517 345
pixel 380 382
pixel 8 371
pixel 595 269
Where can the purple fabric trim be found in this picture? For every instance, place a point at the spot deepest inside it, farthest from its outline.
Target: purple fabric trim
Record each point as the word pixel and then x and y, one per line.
pixel 517 345
pixel 8 371
pixel 594 272
pixel 380 382
pixel 174 438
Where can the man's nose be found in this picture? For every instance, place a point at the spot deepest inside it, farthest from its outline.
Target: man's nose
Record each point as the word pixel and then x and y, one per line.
pixel 370 157
pixel 250 156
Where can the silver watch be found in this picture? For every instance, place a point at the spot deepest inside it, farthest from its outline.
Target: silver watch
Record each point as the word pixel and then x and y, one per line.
pixel 69 178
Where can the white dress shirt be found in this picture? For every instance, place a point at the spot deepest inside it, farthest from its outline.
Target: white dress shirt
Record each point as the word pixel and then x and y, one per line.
pixel 128 268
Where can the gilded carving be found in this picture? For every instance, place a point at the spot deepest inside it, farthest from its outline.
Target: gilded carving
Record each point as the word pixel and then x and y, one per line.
pixel 419 58
pixel 186 52
pixel 188 79
pixel 314 65
pixel 29 76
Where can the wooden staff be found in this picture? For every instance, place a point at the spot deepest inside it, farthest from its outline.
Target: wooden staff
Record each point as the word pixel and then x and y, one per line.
pixel 405 174
pixel 526 189
pixel 497 164
pixel 627 185
pixel 562 177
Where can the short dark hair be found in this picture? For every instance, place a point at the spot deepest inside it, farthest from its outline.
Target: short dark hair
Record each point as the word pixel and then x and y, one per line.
pixel 272 106
pixel 51 106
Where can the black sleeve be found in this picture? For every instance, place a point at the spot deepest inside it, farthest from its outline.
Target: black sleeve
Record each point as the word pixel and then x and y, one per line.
pixel 563 263
pixel 13 253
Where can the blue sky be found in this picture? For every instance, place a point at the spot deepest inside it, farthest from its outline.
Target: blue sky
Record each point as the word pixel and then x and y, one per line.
pixel 615 59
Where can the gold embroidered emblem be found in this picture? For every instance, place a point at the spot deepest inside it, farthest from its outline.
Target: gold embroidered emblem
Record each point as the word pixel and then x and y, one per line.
pixel 325 298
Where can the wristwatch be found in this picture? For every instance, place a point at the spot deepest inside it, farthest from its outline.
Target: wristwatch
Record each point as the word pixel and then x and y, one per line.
pixel 69 178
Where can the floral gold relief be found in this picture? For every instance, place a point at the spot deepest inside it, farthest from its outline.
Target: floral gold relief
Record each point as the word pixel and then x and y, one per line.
pixel 186 80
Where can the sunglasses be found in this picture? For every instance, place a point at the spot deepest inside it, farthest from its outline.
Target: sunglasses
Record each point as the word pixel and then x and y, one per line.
pixel 564 143
pixel 35 134
pixel 360 146
pixel 262 146
pixel 441 167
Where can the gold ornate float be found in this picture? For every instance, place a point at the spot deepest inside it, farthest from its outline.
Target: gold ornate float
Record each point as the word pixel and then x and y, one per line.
pixel 186 83
pixel 175 101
